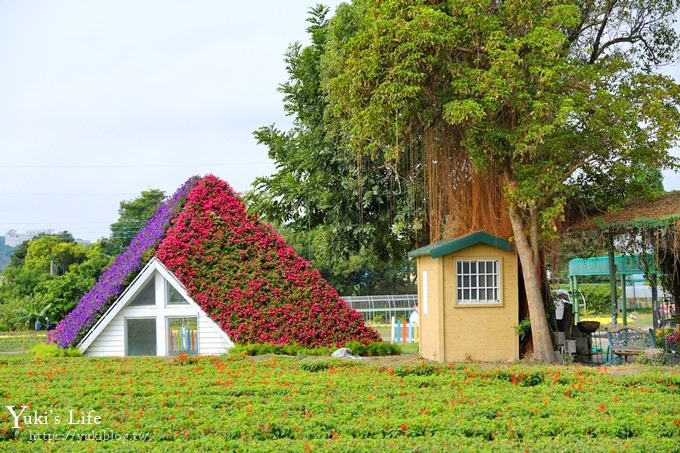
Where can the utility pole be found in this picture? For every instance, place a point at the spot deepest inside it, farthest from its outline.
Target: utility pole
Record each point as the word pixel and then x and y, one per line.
pixel 612 277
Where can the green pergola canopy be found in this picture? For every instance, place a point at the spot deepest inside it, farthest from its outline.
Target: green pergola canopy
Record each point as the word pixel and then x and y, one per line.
pixel 625 265
pixel 629 268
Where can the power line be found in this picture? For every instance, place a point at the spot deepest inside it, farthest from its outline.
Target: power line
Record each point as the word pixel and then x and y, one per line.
pixel 64 194
pixel 132 165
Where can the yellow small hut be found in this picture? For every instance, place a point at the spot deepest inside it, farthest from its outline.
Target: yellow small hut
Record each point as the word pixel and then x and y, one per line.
pixel 468 299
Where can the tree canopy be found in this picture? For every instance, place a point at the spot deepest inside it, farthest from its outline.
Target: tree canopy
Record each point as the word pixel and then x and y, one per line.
pixel 47 275
pixel 352 216
pixel 133 215
pixel 50 273
pixel 546 100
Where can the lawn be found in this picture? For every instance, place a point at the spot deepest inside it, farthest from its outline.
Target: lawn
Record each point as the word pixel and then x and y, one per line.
pixel 22 341
pixel 641 319
pixel 273 404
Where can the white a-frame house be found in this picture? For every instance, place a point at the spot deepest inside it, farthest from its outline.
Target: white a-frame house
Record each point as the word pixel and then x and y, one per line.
pixel 154 316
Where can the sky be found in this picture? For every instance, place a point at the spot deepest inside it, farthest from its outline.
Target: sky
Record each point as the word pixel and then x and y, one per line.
pixel 100 100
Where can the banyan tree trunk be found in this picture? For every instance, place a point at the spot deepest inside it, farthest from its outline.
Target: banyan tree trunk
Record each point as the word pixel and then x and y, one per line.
pixel 460 200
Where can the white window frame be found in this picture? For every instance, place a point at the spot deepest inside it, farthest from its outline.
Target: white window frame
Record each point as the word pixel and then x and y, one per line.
pixel 461 287
pixel 161 310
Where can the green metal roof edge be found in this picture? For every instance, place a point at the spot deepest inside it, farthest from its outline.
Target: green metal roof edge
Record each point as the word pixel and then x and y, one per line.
pixel 625 265
pixel 442 248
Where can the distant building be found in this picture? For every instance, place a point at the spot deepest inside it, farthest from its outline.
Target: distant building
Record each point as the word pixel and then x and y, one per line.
pixel 13 239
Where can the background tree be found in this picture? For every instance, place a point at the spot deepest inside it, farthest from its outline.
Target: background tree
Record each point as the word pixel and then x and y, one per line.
pixel 64 291
pixel 48 275
pixel 360 273
pixel 52 272
pixel 5 253
pixel 133 215
pixel 545 101
pixel 29 312
pixel 352 216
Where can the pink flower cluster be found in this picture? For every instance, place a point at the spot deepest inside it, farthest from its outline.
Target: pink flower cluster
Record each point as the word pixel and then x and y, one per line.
pixel 253 284
pixel 673 338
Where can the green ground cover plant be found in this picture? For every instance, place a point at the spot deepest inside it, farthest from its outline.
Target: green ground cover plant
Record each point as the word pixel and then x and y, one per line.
pixel 52 350
pixel 296 404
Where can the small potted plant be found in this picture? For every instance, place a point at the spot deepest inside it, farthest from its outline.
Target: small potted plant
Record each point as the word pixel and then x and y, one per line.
pixel 523 331
pixel 523 328
pixel 673 342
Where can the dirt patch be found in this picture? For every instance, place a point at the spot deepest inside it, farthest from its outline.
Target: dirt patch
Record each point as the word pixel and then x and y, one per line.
pixel 395 360
pixel 414 360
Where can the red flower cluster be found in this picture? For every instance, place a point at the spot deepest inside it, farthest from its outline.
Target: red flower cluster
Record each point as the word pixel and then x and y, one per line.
pixel 245 276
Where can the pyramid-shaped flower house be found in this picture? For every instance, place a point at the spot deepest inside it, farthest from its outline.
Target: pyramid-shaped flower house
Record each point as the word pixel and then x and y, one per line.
pixel 201 276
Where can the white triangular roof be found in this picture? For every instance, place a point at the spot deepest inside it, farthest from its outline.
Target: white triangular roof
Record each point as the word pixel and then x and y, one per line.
pixel 133 289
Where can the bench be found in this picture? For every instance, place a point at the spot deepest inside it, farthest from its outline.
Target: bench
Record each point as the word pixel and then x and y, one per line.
pixel 630 341
pixel 669 323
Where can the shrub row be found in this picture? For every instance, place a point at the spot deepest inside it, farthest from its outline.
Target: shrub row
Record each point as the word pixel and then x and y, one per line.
pixel 373 349
pixel 597 295
pixel 253 349
pixel 52 350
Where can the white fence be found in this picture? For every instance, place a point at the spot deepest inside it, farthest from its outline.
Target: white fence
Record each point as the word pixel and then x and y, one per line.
pixel 404 331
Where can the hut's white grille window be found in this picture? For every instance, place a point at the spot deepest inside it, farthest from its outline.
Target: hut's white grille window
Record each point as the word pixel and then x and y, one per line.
pixel 478 281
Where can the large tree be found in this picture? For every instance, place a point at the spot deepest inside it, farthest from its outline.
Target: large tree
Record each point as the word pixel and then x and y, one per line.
pixel 540 101
pixel 351 216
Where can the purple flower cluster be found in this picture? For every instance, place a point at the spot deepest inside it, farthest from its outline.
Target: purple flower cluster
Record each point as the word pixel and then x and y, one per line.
pixel 111 283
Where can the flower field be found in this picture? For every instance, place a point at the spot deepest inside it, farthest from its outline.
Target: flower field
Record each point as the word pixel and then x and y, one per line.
pixel 245 276
pixel 239 270
pixel 310 404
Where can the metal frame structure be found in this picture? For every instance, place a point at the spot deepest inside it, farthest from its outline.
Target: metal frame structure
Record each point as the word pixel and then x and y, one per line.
pixel 388 305
pixel 616 267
